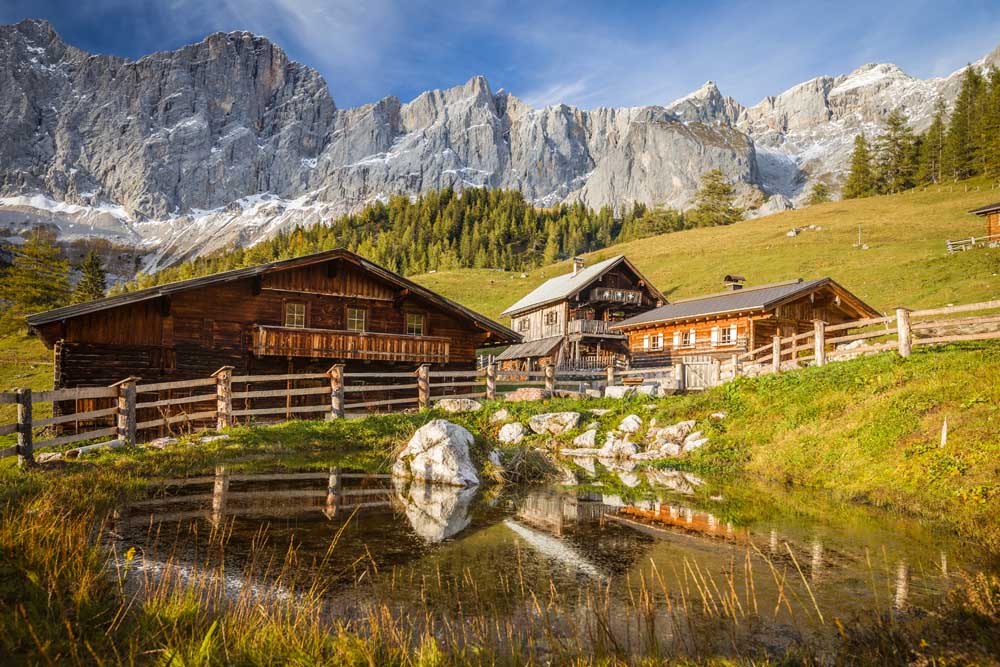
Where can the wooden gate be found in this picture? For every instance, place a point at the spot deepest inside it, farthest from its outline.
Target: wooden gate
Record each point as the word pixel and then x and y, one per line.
pixel 700 373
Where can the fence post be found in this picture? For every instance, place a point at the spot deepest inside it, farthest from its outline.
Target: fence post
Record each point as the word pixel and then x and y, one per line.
pixel 491 380
pixel 336 374
pixel 736 366
pixel 333 490
pixel 716 372
pixel 905 334
pixel 126 409
pixel 223 397
pixel 776 354
pixel 819 342
pixel 681 381
pixel 25 446
pixel 550 377
pixel 611 375
pixel 424 386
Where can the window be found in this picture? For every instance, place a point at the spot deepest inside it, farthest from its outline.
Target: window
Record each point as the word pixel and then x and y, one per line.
pixel 523 324
pixel 727 335
pixel 552 318
pixel 356 319
pixel 657 342
pixel 688 339
pixel 295 315
pixel 414 324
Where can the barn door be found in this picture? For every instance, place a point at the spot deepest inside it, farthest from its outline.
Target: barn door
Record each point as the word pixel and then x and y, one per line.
pixel 700 373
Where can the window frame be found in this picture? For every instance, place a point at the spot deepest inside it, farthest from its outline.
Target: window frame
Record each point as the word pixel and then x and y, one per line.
pixel 656 342
pixel 421 317
pixel 727 336
pixel 688 338
pixel 524 325
pixel 364 319
pixel 291 317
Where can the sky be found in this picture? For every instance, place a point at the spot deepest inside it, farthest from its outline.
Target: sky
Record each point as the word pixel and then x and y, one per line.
pixel 588 54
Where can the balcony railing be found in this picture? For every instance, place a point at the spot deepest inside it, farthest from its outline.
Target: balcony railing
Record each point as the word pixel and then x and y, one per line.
pixel 599 327
pixel 616 295
pixel 327 343
pixel 739 346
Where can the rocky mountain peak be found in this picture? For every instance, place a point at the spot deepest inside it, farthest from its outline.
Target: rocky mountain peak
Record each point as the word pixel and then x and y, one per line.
pixel 706 105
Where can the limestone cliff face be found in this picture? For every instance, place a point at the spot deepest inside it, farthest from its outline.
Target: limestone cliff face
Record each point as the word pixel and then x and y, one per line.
pixel 227 140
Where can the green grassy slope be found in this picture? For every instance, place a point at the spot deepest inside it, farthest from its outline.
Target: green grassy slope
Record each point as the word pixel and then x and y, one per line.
pixel 906 263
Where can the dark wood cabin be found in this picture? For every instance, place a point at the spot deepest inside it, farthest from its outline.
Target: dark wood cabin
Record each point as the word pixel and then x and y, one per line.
pixel 737 320
pixel 566 321
pixel 296 315
pixel 992 214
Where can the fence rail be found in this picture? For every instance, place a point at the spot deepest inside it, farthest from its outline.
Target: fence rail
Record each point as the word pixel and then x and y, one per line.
pixel 122 417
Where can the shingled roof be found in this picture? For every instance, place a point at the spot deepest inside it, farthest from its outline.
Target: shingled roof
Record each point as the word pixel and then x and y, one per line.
pixel 75 310
pixel 763 297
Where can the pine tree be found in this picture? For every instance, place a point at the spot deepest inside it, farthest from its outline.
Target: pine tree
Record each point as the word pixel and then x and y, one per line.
pixel 960 151
pixel 932 148
pixel 714 202
pixel 820 193
pixel 861 179
pixel 896 162
pixel 93 280
pixel 37 280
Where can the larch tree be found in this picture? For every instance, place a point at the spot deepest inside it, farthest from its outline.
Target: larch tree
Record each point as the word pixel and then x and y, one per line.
pixel 37 280
pixel 93 282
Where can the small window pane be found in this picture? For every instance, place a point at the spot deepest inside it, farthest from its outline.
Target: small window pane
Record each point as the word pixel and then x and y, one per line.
pixel 414 324
pixel 295 315
pixel 355 319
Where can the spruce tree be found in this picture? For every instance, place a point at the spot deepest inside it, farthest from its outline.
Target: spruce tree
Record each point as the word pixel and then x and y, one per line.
pixel 932 148
pixel 820 193
pixel 93 280
pixel 714 202
pixel 861 179
pixel 37 280
pixel 960 151
pixel 896 162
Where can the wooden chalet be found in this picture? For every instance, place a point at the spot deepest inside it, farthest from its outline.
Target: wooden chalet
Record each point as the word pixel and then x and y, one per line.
pixel 737 320
pixel 567 320
pixel 290 316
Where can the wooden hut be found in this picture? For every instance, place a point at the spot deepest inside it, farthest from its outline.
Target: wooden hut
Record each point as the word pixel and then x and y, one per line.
pixel 295 315
pixel 992 214
pixel 737 320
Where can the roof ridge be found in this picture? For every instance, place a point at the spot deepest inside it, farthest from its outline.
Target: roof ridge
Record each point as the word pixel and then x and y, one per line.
pixel 742 289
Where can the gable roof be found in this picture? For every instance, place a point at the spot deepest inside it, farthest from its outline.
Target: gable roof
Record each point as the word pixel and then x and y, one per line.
pixel 531 349
pixel 763 297
pixel 989 208
pixel 75 310
pixel 561 287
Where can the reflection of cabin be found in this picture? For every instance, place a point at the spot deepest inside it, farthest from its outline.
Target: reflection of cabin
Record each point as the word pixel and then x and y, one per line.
pixel 992 214
pixel 567 320
pixel 738 320
pixel 295 315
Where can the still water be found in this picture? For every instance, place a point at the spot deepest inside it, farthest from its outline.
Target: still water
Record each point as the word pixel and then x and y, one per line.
pixel 648 561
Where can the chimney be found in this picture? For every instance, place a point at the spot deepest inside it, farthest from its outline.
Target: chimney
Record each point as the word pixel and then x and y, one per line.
pixel 577 265
pixel 734 282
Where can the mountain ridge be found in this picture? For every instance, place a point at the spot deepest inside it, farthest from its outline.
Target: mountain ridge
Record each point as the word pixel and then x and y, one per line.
pixel 228 140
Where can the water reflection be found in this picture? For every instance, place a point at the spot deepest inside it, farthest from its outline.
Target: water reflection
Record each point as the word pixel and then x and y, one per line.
pixel 472 545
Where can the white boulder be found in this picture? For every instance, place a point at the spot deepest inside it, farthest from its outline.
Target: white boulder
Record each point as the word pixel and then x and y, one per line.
pixel 499 416
pixel 454 405
pixel 599 412
pixel 438 452
pixel 213 438
pixel 647 389
pixel 512 433
pixel 586 439
pixel 435 512
pixel 615 447
pixel 618 391
pixel 718 416
pixel 160 443
pixel 554 423
pixel 630 424
pixel 677 432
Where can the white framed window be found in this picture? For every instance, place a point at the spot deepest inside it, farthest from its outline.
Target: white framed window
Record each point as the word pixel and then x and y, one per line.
pixel 688 339
pixel 295 315
pixel 657 342
pixel 356 319
pixel 727 335
pixel 414 324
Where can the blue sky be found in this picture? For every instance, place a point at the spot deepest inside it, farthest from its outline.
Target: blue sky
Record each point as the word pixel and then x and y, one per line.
pixel 583 53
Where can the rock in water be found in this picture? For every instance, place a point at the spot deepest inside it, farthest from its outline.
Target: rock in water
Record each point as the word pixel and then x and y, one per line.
pixel 554 423
pixel 435 512
pixel 511 434
pixel 586 439
pixel 454 405
pixel 438 452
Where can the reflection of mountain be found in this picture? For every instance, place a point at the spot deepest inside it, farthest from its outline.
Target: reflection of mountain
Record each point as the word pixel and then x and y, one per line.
pixel 435 511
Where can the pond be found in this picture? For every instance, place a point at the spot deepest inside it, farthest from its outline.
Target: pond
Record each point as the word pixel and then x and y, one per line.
pixel 659 562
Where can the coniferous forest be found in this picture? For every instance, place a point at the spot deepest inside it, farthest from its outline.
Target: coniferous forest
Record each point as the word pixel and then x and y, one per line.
pixel 956 146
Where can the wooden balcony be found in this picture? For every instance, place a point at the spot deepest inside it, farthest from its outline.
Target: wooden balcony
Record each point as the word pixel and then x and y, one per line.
pixel 612 295
pixel 592 328
pixel 330 344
